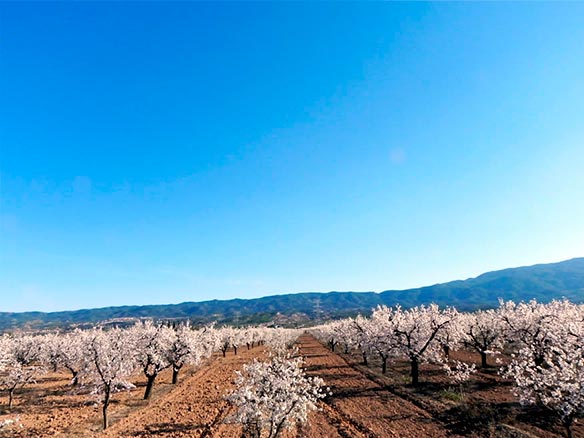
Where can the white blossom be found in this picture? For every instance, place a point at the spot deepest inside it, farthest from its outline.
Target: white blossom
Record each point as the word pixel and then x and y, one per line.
pixel 273 396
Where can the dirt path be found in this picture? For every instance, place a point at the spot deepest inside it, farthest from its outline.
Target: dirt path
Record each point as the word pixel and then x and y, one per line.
pixel 360 407
pixel 195 409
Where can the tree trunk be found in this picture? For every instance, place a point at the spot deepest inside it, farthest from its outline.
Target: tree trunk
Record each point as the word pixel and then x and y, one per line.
pixel 106 401
pixel 568 426
pixel 175 372
pixel 75 380
pixel 483 360
pixel 149 386
pixel 365 359
pixel 223 350
pixel 446 349
pixel 383 364
pixel 415 373
pixel 10 398
pixel 332 345
pixel 235 350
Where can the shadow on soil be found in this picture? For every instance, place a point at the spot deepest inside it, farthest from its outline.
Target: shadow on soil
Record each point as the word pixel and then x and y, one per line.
pixel 168 429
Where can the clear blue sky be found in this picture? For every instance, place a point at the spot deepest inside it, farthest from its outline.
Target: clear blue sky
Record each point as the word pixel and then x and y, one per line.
pixel 168 152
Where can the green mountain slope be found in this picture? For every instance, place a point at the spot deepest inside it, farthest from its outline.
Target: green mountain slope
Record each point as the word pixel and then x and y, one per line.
pixel 543 282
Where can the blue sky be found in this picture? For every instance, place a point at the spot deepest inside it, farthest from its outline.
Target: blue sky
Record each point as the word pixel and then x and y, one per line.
pixel 168 152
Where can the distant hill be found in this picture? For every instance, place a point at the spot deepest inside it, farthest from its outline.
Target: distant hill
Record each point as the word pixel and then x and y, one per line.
pixel 543 282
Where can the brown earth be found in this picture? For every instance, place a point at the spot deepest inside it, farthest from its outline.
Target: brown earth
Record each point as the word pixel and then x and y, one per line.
pixel 364 403
pixel 193 408
pixel 484 407
pixel 359 406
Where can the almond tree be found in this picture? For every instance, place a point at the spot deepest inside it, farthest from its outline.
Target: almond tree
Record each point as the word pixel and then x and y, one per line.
pixel 415 332
pixel 483 332
pixel 20 363
pixel 557 382
pixel 5 342
pixel 252 336
pixel 377 335
pixel 190 346
pixel 50 348
pixel 111 361
pixel 534 325
pixel 66 350
pixel 346 329
pixel 327 333
pixel 227 339
pixel 273 396
pixel 153 346
pixel 451 335
pixel 279 340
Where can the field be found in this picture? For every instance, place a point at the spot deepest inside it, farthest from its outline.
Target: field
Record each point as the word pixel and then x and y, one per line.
pixel 364 403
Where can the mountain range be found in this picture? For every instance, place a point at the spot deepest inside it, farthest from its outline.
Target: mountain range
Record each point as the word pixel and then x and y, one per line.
pixel 543 282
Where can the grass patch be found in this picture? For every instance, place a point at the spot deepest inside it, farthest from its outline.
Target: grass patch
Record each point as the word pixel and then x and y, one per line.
pixel 449 394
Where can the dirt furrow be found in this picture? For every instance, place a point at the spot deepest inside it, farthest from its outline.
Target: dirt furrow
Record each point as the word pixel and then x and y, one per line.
pixel 195 409
pixel 363 404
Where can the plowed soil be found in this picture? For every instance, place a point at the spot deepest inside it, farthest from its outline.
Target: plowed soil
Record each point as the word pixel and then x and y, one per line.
pixel 360 407
pixel 193 408
pixel 364 404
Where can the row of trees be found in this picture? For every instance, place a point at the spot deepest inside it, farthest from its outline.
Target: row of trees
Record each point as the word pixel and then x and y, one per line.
pixel 105 361
pixel 545 343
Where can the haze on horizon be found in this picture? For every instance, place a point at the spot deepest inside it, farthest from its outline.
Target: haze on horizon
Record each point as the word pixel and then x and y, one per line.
pixel 159 152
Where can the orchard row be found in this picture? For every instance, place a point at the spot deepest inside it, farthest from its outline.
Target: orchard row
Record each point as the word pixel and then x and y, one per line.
pixel 103 361
pixel 545 344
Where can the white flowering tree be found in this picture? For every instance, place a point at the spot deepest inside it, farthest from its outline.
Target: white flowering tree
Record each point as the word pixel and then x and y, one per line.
pixel 66 350
pixel 361 338
pixel 556 383
pixel 111 361
pixel 451 336
pixel 483 332
pixel 279 340
pixel 20 363
pixel 377 335
pixel 153 345
pixel 273 396
pixel 228 338
pixel 190 346
pixel 415 332
pixel 535 326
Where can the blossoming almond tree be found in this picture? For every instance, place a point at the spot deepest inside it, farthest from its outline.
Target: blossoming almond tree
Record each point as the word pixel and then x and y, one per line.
pixel 190 346
pixel 483 332
pixel 377 335
pixel 227 339
pixel 557 384
pixel 66 350
pixel 535 326
pixel 415 330
pixel 111 361
pixel 273 396
pixel 20 363
pixel 153 345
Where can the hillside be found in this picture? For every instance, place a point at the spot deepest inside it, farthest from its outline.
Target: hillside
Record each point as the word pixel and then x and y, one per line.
pixel 543 282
